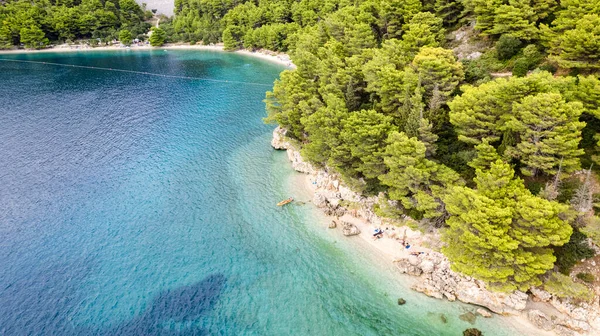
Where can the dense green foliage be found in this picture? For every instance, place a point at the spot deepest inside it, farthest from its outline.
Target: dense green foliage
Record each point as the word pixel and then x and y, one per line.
pixel 500 232
pixel 125 37
pixel 36 23
pixel 158 37
pixel 569 254
pixel 586 277
pixel 563 286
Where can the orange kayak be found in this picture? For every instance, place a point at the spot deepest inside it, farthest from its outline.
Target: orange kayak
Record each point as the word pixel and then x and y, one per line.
pixel 284 202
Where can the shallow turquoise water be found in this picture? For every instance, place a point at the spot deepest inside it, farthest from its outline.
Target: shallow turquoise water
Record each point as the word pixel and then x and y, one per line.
pixel 136 204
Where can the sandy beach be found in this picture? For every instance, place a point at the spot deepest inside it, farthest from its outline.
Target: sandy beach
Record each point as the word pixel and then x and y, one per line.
pixel 270 56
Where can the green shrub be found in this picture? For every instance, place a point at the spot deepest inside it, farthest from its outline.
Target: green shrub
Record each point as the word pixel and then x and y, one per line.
pixel 535 186
pixel 586 277
pixel 548 67
pixel 569 254
pixel 521 67
pixel 564 287
pixel 532 53
pixel 592 229
pixel 507 47
pixel 415 214
pixel 475 72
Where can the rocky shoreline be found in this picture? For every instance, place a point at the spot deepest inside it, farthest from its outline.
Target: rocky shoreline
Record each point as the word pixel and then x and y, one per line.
pixel 436 279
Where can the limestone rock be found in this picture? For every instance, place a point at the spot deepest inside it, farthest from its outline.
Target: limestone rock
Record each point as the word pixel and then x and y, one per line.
pixel 347 194
pixel 484 312
pixel 563 331
pixel 319 200
pixel 474 55
pixel 334 201
pixel 540 295
pixel 332 224
pixel 577 325
pixel 414 271
pixel 350 229
pixel 427 290
pixel 339 211
pixel 449 296
pixel 402 265
pixel 427 266
pixel 298 162
pixel 278 141
pixel 540 320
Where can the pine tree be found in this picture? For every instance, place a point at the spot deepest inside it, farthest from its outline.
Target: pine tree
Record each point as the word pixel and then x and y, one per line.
pixel 517 19
pixel 427 137
pixel 158 37
pixel 396 13
pixel 292 98
pixel 414 180
pixel 579 47
pixel 33 37
pixel 500 232
pixel 449 10
pixel 477 113
pixel 549 130
pixel 423 30
pixel 481 112
pixel 363 135
pixel 125 37
pixel 437 69
pixel 323 129
pixel 486 155
pixel 485 11
pixel 413 108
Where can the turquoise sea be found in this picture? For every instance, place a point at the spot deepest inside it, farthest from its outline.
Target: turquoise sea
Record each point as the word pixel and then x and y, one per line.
pixel 134 204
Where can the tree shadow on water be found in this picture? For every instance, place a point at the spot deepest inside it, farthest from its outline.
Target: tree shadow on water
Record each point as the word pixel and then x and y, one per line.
pixel 179 307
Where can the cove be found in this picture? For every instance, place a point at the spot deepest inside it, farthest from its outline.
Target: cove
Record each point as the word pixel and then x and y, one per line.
pixel 135 204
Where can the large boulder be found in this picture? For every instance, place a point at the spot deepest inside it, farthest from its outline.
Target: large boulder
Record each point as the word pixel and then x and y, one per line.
pixel 298 162
pixel 500 303
pixel 350 229
pixel 319 200
pixel 428 289
pixel 427 266
pixel 577 325
pixel 484 312
pixel 540 320
pixel 540 295
pixel 347 194
pixel 279 141
pixel 563 331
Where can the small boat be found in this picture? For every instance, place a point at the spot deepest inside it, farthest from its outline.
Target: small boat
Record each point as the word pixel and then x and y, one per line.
pixel 284 202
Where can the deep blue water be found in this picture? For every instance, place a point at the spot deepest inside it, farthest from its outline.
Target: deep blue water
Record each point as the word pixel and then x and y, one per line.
pixel 133 204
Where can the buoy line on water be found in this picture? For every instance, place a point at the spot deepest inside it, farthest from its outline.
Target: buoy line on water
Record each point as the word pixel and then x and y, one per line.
pixel 137 72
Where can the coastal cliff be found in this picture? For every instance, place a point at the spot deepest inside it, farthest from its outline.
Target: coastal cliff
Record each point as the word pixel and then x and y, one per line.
pixel 436 279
